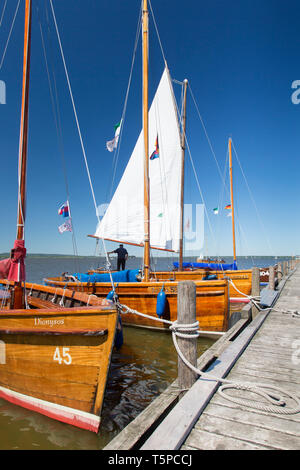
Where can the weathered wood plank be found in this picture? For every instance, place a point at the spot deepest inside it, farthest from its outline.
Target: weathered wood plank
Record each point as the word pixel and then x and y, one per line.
pixel 175 428
pixel 203 440
pixel 254 434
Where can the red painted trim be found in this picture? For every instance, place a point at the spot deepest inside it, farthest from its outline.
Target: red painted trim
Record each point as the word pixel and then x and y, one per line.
pixel 59 413
pixel 239 300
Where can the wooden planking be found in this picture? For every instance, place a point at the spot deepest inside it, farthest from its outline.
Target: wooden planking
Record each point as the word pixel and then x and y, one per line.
pixel 178 424
pixel 30 368
pixel 212 301
pixel 172 433
pixel 135 432
pixel 204 440
pixel 77 373
pixel 268 359
pixel 244 431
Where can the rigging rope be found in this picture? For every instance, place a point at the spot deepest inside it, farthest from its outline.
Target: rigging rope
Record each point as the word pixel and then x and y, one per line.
pixel 58 126
pixel 3 11
pixel 117 151
pixel 216 161
pixel 252 198
pixel 80 137
pixel 10 31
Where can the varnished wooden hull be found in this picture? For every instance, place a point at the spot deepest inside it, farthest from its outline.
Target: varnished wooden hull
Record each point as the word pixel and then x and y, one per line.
pixel 242 280
pixel 55 360
pixel 212 301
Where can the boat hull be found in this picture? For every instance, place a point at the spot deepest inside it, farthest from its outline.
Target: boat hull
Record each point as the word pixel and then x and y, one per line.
pixel 242 279
pixel 55 360
pixel 212 301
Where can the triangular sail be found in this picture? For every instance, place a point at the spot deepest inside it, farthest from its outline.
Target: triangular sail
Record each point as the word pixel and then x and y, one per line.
pixel 124 218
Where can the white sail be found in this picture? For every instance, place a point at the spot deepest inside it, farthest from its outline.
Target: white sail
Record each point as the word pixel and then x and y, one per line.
pixel 124 218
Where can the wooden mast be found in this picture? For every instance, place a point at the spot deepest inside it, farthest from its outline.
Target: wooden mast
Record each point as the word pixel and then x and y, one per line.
pixel 24 124
pixel 182 175
pixel 146 144
pixel 18 294
pixel 231 198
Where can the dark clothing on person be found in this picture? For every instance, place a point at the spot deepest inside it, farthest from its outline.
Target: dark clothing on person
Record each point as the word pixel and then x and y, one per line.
pixel 121 264
pixel 122 253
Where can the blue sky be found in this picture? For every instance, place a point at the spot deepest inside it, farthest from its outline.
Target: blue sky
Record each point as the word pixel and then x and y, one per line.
pixel 240 59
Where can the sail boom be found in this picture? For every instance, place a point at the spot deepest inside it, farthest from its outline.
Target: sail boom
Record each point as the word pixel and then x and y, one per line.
pixel 133 244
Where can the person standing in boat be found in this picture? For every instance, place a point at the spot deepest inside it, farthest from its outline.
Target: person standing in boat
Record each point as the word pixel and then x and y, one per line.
pixel 122 257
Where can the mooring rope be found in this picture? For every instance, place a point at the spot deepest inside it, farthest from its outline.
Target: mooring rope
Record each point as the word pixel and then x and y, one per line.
pixel 273 395
pixel 255 301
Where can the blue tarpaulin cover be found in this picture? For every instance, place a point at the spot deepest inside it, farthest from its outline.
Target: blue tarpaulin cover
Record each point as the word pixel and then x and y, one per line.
pixel 128 275
pixel 211 266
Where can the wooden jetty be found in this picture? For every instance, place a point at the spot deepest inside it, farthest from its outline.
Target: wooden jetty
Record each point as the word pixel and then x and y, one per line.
pixel 262 347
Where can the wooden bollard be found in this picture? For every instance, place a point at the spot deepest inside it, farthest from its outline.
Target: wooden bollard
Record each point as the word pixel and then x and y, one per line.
pixel 284 268
pixel 271 278
pixel 186 308
pixel 255 290
pixel 279 272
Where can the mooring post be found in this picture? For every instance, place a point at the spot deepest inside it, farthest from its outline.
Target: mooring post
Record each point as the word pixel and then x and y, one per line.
pixel 284 270
pixel 271 278
pixel 255 291
pixel 279 272
pixel 186 315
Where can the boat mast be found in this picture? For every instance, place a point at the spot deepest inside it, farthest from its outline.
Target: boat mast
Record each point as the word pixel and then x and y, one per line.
pixel 24 123
pixel 231 198
pixel 18 291
pixel 146 144
pixel 185 83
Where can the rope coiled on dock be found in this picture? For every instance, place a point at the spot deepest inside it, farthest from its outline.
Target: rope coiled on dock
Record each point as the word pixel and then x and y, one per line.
pixel 276 397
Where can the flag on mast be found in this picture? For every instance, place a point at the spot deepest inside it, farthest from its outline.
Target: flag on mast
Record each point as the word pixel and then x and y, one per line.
pixel 155 154
pixel 64 209
pixel 216 210
pixel 66 227
pixel 112 144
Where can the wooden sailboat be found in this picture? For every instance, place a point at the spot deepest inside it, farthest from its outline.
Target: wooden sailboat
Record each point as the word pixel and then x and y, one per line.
pixel 205 269
pixel 137 216
pixel 55 344
pixel 242 279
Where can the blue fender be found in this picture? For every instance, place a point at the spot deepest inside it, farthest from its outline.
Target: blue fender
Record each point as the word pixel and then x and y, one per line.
pixel 110 295
pixel 161 302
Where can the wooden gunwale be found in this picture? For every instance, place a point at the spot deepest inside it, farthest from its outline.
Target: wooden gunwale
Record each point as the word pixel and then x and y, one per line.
pixel 41 332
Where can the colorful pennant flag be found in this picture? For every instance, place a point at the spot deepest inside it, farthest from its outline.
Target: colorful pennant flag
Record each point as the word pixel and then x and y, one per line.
pixel 216 210
pixel 228 206
pixel 155 154
pixel 112 144
pixel 64 210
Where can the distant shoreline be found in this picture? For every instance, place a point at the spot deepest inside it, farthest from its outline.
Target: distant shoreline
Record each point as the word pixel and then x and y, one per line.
pixel 55 255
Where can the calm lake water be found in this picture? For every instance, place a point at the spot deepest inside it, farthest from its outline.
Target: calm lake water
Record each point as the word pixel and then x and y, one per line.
pixel 140 371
